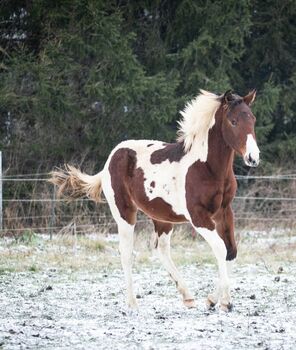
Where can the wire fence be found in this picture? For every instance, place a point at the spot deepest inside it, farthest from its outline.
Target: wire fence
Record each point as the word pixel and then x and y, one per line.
pixel 260 200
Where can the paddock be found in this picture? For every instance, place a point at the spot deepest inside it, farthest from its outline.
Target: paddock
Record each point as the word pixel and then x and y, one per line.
pixel 68 293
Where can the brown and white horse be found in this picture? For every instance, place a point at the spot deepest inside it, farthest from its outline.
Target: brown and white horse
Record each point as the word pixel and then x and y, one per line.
pixel 191 180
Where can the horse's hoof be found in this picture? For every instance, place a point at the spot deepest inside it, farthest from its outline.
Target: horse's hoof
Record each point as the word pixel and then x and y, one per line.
pixel 210 305
pixel 190 303
pixel 226 307
pixel 132 305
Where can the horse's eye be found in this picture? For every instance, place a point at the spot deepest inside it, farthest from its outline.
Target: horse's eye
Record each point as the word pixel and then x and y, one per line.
pixel 233 122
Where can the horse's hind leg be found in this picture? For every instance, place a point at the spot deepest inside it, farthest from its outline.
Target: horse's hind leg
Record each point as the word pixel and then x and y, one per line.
pixel 126 240
pixel 163 233
pixel 124 213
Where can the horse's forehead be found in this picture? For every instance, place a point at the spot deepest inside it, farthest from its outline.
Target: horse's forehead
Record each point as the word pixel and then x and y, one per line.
pixel 240 107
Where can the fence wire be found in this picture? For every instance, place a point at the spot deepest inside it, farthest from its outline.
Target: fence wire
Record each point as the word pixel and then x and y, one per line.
pixel 107 220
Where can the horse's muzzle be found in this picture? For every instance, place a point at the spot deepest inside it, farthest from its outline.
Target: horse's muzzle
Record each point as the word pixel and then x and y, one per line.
pixel 251 156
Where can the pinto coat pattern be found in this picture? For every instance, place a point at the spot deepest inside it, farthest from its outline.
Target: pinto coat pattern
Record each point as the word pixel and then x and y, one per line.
pixel 191 180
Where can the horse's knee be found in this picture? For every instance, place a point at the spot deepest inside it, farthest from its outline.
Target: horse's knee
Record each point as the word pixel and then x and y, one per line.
pixel 231 253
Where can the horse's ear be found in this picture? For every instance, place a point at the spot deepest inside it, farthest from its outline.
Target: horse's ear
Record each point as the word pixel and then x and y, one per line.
pixel 249 99
pixel 227 97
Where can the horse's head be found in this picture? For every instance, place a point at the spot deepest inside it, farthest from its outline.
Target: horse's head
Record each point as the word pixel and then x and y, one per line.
pixel 238 126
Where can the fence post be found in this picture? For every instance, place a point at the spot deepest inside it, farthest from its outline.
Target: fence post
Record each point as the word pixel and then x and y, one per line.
pixel 1 194
pixel 53 218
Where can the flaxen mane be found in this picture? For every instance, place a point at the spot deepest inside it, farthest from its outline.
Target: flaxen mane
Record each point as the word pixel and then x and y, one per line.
pixel 198 118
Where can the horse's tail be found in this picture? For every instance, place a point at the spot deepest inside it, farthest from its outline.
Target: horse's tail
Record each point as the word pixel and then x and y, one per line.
pixel 72 183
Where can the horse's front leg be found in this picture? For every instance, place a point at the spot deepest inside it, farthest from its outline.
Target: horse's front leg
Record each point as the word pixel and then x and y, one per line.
pixel 206 227
pixel 225 228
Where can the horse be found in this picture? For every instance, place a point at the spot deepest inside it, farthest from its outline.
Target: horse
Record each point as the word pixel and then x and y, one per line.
pixel 191 180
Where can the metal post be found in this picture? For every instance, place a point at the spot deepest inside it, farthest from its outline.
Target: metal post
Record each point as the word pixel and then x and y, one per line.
pixel 1 194
pixel 75 237
pixel 53 218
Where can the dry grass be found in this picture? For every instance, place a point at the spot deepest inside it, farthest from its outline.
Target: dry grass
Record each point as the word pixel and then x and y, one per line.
pixel 33 252
pixel 63 252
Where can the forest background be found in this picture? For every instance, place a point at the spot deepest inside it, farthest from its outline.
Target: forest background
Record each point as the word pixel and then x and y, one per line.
pixel 77 77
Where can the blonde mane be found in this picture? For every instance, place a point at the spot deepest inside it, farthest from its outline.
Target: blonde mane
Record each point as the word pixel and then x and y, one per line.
pixel 198 118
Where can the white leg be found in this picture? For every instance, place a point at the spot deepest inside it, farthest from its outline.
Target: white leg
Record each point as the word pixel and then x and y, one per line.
pixel 164 252
pixel 219 250
pixel 126 240
pixel 213 297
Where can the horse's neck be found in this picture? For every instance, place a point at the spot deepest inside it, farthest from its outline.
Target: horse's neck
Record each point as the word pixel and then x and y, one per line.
pixel 220 155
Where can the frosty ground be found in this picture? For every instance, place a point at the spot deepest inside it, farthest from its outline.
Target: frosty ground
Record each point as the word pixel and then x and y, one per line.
pixel 68 294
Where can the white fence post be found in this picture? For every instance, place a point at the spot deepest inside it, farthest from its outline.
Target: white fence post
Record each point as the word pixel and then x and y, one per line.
pixel 1 194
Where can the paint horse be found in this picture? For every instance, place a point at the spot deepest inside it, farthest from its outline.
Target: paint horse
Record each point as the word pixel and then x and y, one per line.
pixel 191 180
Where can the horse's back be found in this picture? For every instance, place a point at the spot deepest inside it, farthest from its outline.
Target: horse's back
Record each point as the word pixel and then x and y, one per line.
pixel 132 153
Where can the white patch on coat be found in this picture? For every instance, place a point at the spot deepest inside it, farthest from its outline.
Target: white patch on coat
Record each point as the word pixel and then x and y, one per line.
pixel 198 119
pixel 168 178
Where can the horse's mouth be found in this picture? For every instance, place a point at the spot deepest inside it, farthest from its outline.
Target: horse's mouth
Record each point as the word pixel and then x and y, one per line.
pixel 251 162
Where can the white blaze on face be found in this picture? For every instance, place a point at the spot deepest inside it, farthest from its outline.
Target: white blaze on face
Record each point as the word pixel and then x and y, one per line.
pixel 251 157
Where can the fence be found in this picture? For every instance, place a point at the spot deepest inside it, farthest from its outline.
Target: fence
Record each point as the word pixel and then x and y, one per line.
pixel 260 200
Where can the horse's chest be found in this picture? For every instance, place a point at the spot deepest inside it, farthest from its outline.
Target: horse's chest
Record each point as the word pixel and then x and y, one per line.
pixel 204 194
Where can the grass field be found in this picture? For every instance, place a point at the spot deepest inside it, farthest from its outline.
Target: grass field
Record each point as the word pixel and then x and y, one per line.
pixel 33 252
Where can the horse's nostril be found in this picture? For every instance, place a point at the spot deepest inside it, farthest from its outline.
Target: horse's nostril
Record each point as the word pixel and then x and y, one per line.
pixel 251 161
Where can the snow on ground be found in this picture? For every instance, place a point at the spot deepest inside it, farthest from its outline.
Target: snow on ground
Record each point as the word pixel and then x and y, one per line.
pixel 81 310
pixel 68 294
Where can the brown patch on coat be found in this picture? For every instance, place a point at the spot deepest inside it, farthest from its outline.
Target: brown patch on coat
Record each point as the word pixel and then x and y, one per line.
pixel 162 227
pixel 152 184
pixel 121 169
pixel 172 152
pixel 150 144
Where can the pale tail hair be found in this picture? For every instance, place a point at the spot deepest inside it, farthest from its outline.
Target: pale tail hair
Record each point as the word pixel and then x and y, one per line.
pixel 198 118
pixel 72 183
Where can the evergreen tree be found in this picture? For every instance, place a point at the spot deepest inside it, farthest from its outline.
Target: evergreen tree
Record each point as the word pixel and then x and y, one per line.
pixel 79 76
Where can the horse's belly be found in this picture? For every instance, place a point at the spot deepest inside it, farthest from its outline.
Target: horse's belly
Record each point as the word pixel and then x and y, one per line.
pixel 157 195
pixel 158 209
